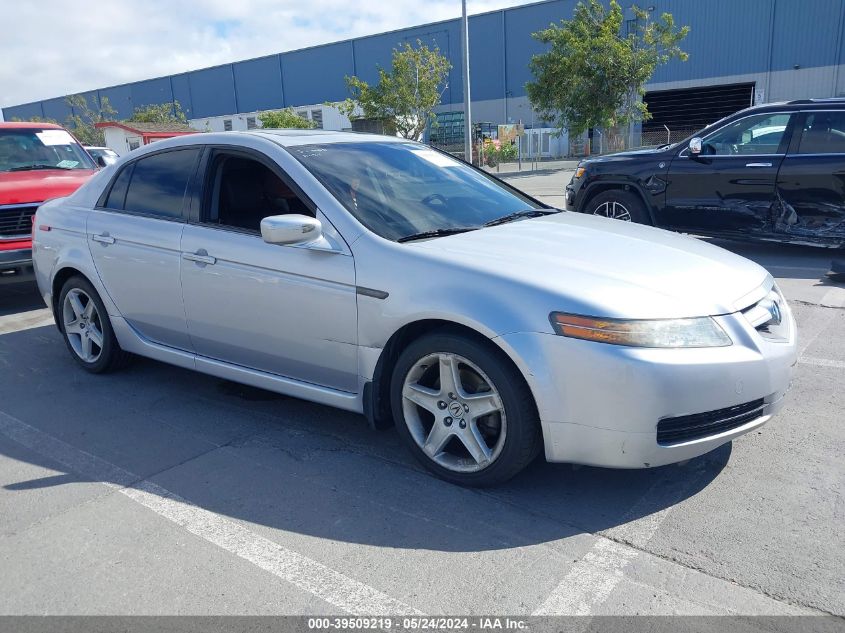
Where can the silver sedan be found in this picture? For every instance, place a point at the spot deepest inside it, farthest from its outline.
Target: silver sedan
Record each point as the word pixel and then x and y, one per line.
pixel 383 277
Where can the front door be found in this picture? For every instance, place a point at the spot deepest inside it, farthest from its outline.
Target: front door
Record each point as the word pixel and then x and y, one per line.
pixel 730 186
pixel 284 310
pixel 134 237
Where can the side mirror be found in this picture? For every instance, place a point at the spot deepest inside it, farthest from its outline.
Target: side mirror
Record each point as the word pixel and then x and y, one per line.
pixel 290 229
pixel 101 162
pixel 695 145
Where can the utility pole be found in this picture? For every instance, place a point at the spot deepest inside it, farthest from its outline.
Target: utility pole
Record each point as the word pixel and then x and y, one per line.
pixel 465 73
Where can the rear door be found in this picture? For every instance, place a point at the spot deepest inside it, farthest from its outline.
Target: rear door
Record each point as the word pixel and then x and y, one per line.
pixel 812 179
pixel 134 236
pixel 730 186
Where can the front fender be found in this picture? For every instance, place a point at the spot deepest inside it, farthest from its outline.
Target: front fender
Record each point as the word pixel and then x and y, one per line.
pixel 651 191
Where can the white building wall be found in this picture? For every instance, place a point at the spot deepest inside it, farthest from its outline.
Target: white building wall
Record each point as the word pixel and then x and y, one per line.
pixel 119 140
pixel 332 119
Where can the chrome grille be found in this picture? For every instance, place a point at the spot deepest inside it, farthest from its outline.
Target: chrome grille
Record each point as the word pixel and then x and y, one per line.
pixel 769 316
pixel 16 220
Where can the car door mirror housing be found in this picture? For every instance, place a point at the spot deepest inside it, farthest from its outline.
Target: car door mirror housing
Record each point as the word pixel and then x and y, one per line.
pixel 695 145
pixel 290 229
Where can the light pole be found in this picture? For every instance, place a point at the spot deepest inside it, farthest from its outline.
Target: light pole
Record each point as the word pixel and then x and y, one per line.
pixel 465 72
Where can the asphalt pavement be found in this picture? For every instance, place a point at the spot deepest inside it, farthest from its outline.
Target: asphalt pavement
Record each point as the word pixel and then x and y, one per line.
pixel 156 490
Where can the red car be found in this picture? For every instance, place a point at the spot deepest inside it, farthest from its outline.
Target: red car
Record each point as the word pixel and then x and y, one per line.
pixel 38 161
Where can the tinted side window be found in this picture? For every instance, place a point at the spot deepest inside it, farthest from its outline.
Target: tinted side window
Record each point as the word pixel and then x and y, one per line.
pixel 823 133
pixel 159 183
pixel 117 195
pixel 244 191
pixel 759 134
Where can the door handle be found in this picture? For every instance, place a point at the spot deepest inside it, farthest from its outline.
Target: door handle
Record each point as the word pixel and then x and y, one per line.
pixel 200 257
pixel 103 238
pixel 758 164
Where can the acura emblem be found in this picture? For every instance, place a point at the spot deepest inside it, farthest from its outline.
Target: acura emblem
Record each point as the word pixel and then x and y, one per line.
pixel 773 308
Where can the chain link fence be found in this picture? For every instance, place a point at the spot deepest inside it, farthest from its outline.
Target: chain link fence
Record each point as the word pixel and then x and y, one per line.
pixel 619 139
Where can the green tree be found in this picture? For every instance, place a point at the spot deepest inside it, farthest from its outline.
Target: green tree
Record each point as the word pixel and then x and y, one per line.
pixel 593 75
pixel 405 97
pixel 286 118
pixel 159 113
pixel 81 121
pixel 34 119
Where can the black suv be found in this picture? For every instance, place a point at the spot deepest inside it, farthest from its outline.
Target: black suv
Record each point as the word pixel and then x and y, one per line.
pixel 772 172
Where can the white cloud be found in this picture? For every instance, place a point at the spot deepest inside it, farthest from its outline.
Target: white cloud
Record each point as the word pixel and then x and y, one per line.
pixel 52 48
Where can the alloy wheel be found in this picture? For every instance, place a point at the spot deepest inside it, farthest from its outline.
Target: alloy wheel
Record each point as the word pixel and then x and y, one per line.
pixel 613 210
pixel 83 325
pixel 454 412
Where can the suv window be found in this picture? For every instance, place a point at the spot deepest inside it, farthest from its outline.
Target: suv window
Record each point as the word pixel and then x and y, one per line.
pixel 158 183
pixel 243 192
pixel 823 133
pixel 758 134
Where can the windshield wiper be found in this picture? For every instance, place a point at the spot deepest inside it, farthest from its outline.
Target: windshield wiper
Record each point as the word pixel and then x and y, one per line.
pixel 29 167
pixel 436 233
pixel 528 213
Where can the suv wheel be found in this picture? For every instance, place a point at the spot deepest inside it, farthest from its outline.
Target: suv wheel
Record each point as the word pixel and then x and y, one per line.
pixel 86 328
pixel 466 414
pixel 619 205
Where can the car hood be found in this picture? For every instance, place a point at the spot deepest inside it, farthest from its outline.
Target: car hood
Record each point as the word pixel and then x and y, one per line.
pixel 624 156
pixel 608 268
pixel 20 187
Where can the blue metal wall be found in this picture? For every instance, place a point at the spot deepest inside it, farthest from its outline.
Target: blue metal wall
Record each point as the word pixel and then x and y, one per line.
pixel 728 37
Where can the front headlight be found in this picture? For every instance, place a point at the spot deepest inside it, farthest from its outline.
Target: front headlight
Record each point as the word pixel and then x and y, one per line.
pixel 580 171
pixel 695 332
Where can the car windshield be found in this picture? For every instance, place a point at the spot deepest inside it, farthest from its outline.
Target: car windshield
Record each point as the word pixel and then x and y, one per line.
pixel 33 148
pixel 405 190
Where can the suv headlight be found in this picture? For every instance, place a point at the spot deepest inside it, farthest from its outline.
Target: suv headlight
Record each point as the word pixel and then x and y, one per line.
pixel 694 332
pixel 580 170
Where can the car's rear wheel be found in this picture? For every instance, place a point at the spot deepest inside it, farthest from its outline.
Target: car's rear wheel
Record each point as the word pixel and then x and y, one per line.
pixel 86 327
pixel 618 204
pixel 465 412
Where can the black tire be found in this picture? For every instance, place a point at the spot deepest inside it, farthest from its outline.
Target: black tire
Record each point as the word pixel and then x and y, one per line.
pixel 523 438
pixel 630 201
pixel 111 356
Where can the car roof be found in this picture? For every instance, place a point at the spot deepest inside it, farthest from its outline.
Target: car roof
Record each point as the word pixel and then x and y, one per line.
pixel 308 137
pixel 28 125
pixel 285 138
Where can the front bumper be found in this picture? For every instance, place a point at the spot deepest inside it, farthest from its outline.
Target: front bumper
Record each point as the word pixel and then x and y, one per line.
pixel 569 197
pixel 16 266
pixel 600 404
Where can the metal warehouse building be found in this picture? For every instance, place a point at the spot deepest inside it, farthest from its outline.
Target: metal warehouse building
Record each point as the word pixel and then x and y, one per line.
pixel 740 51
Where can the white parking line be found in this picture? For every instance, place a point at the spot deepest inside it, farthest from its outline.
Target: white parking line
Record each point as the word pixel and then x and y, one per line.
pixel 592 579
pixel 25 320
pixel 822 362
pixel 834 298
pixel 332 586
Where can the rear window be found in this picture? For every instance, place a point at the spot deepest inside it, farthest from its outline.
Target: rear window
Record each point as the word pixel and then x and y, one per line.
pixel 34 149
pixel 157 184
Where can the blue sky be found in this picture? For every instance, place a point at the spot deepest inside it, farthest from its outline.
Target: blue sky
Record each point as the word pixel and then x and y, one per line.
pixel 57 47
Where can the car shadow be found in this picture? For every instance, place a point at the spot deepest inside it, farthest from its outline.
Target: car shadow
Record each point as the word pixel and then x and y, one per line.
pixel 291 465
pixel 19 297
pixel 788 260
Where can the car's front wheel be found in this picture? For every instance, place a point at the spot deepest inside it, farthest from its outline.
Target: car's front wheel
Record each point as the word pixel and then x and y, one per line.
pixel 86 327
pixel 464 410
pixel 618 204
